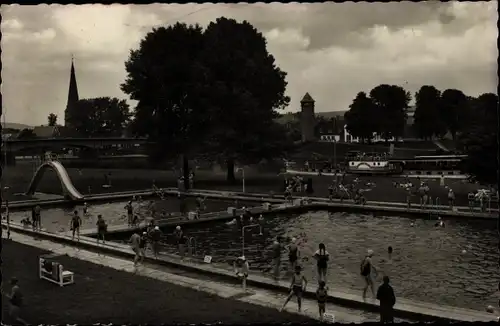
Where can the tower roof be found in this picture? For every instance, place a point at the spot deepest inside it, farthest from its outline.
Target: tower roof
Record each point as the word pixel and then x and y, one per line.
pixel 73 88
pixel 307 99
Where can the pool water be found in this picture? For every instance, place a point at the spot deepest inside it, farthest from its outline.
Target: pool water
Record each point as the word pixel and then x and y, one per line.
pixel 456 265
pixel 58 219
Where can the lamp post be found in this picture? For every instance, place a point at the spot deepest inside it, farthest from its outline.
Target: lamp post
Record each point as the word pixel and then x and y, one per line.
pixel 243 235
pixel 242 176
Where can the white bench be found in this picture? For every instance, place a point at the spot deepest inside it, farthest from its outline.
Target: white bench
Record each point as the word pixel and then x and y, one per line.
pixel 58 276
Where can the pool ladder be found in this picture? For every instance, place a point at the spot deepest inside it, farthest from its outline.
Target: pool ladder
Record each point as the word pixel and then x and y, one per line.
pixel 434 208
pixel 191 246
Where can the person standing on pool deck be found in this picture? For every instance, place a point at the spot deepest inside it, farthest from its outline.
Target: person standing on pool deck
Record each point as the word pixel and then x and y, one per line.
pixel 101 228
pixel 76 221
pixel 366 271
pixel 322 257
pixel 15 302
pixel 385 295
pixel 293 254
pixel 130 213
pixel 155 235
pixel 179 239
pixel 135 241
pixel 322 296
pixel 297 288
pixel 276 256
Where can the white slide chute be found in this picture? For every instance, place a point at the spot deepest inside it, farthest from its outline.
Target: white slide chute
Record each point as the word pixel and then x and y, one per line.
pixel 67 186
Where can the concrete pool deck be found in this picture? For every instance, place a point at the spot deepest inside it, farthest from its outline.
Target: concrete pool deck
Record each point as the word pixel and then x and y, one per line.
pixel 261 297
pixel 320 203
pixel 407 309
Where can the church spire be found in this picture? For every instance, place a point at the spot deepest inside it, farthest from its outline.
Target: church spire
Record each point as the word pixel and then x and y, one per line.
pixel 72 93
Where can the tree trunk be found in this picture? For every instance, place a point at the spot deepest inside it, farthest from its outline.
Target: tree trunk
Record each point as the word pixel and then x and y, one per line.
pixel 185 171
pixel 230 171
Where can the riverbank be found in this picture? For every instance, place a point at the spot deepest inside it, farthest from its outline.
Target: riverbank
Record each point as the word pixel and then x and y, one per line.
pixel 91 181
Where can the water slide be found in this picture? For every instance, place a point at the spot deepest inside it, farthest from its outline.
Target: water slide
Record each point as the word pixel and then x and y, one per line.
pixel 67 186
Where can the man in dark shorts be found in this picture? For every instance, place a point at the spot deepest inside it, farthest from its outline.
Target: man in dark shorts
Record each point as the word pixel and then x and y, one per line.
pixel 276 256
pixel 76 222
pixel 135 245
pixel 102 228
pixel 15 302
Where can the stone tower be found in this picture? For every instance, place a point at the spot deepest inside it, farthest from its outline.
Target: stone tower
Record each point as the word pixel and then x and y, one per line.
pixel 72 94
pixel 307 118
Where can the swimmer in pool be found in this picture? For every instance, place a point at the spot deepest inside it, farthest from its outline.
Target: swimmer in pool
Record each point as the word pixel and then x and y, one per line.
pixel 439 223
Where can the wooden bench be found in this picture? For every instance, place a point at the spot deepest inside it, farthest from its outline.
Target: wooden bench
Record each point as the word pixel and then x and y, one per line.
pixel 53 271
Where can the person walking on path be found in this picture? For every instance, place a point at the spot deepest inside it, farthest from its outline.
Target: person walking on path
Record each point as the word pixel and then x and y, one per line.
pixel 15 302
pixel 367 271
pixel 297 288
pixel 322 257
pixel 385 295
pixel 135 244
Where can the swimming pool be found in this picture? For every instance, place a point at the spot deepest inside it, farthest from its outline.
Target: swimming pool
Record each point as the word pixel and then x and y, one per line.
pixel 455 265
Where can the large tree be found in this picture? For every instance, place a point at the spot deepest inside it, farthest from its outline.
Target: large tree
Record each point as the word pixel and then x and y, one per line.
pixel 361 119
pixel 168 79
pixel 427 121
pixel 391 103
pixel 52 119
pixel 480 140
pixel 454 110
pixel 99 117
pixel 247 91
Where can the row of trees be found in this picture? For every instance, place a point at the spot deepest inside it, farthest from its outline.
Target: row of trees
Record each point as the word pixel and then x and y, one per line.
pixel 384 111
pixel 215 91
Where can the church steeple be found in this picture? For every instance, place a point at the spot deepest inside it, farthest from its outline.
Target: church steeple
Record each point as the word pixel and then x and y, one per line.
pixel 72 93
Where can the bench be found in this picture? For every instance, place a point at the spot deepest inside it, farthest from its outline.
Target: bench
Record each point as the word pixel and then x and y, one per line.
pixel 54 272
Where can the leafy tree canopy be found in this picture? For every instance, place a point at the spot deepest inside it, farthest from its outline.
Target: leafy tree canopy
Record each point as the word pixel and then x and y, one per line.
pixel 427 121
pixel 103 116
pixel 52 119
pixel 391 103
pixel 480 140
pixel 361 119
pixel 454 110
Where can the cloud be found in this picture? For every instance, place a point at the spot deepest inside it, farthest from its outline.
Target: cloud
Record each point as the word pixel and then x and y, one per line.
pixel 330 50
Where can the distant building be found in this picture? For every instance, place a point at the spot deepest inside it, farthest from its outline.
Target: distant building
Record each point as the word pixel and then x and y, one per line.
pixel 72 94
pixel 46 131
pixel 307 118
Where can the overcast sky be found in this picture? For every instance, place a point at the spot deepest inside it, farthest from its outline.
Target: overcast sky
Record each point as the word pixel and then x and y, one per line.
pixel 332 51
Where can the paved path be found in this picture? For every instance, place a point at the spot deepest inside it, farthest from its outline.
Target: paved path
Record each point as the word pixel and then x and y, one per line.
pixel 260 297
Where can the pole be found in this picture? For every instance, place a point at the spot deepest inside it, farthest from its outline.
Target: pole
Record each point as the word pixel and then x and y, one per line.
pixel 243 241
pixel 335 154
pixel 243 175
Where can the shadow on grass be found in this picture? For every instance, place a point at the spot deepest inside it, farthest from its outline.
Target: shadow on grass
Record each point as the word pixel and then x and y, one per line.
pixel 105 295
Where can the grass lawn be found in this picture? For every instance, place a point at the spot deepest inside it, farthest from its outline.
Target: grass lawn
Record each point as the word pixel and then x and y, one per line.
pixel 17 179
pixel 106 295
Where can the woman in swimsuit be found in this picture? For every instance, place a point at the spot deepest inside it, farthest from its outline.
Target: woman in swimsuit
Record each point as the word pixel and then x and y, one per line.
pixel 366 272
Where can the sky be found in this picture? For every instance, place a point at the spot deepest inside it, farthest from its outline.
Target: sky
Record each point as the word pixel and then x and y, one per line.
pixel 331 50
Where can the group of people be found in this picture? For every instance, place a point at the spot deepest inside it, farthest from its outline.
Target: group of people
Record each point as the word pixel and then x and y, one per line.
pixel 297 184
pixel 368 271
pixel 154 237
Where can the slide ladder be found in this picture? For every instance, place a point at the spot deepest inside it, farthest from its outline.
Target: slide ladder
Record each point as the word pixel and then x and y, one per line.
pixel 67 186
